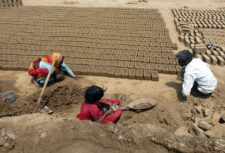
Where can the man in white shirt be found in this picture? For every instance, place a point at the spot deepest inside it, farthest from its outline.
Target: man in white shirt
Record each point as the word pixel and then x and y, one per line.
pixel 197 75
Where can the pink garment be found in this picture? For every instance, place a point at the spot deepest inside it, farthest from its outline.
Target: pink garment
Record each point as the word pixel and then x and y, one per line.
pixel 94 111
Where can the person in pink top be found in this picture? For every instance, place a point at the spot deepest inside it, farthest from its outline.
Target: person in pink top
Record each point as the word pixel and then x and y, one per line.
pixel 98 109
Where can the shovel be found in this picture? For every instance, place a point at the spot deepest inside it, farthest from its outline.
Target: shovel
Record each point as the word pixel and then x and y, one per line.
pixel 140 105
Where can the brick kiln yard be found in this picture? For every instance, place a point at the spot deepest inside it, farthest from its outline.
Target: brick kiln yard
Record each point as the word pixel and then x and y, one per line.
pixel 123 49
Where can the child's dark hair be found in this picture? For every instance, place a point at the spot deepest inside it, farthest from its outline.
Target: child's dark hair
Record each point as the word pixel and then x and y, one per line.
pixel 93 94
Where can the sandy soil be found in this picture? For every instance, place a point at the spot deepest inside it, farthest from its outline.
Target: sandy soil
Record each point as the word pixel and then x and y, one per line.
pixel 151 130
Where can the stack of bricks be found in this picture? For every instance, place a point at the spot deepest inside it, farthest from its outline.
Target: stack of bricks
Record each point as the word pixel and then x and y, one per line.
pixel 114 42
pixel 10 3
pixel 199 28
pixel 213 56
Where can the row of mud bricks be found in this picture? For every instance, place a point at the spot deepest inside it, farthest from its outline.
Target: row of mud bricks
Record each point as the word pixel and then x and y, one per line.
pixel 116 72
pixel 10 3
pixel 212 56
pixel 131 73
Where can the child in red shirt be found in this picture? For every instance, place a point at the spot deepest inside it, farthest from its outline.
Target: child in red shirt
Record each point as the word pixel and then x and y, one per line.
pixel 100 110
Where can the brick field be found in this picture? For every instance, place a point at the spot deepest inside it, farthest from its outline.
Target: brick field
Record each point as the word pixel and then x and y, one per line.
pixel 114 42
pixel 200 28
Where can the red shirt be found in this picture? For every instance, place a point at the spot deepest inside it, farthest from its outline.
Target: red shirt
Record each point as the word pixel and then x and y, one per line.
pixel 93 111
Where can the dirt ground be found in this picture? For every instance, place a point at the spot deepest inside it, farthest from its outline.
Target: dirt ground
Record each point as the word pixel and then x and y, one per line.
pixel 155 130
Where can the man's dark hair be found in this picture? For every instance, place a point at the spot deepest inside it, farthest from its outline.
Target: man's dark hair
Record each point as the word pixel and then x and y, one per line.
pixel 184 56
pixel 93 94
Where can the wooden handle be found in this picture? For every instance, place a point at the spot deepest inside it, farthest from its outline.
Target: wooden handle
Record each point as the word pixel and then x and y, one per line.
pixel 46 82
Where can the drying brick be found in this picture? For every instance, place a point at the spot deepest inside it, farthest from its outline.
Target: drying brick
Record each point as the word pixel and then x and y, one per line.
pixel 118 72
pixel 213 59
pixel 155 75
pixel 111 71
pixel 125 72
pixel 147 75
pixel 139 74
pixel 131 73
pixel 206 58
pixel 220 60
pixel 130 64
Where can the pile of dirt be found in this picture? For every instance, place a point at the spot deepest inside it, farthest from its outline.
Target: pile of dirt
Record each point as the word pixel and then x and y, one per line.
pixel 59 97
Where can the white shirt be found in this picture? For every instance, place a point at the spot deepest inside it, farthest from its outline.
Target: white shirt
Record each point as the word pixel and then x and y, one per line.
pixel 198 71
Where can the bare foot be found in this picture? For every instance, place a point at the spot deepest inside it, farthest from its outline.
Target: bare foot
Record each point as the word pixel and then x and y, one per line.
pixel 37 85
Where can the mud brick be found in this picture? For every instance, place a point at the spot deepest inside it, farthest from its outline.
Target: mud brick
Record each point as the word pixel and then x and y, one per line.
pixel 76 69
pixel 159 60
pixel 215 53
pixel 151 66
pixel 174 46
pixel 220 60
pixel 144 66
pixel 98 62
pixel 172 60
pixel 158 49
pixel 125 72
pixel 173 69
pixel 140 53
pixel 208 52
pixel 134 53
pixel 83 70
pixel 138 65
pixel 111 71
pixel 132 73
pixel 158 54
pixel 97 70
pixel 147 75
pixel 133 58
pixel 155 75
pixel 127 58
pixel 199 56
pixel 206 58
pixel 146 54
pixel 152 60
pixel 181 38
pixel 146 59
pixel 118 72
pixel 213 59
pixel 199 48
pixel 152 54
pixel 165 55
pixel 104 70
pixel 117 64
pixel 221 53
pixel 139 59
pixel 90 70
pixel 172 55
pixel 130 64
pixel 187 42
pixel 139 74
pixel 165 60
pixel 165 68
pixel 124 64
pixel 158 67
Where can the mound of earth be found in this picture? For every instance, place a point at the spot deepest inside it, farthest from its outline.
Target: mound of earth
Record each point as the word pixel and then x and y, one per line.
pixel 58 97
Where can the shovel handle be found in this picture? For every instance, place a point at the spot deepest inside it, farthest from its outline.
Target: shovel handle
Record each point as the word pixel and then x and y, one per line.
pixel 46 82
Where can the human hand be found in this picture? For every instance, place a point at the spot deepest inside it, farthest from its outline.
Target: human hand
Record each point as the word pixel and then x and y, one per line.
pixel 109 112
pixel 77 77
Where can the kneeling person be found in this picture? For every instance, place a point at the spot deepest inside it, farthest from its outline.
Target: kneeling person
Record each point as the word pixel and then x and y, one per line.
pixel 197 75
pixel 98 109
pixel 39 69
